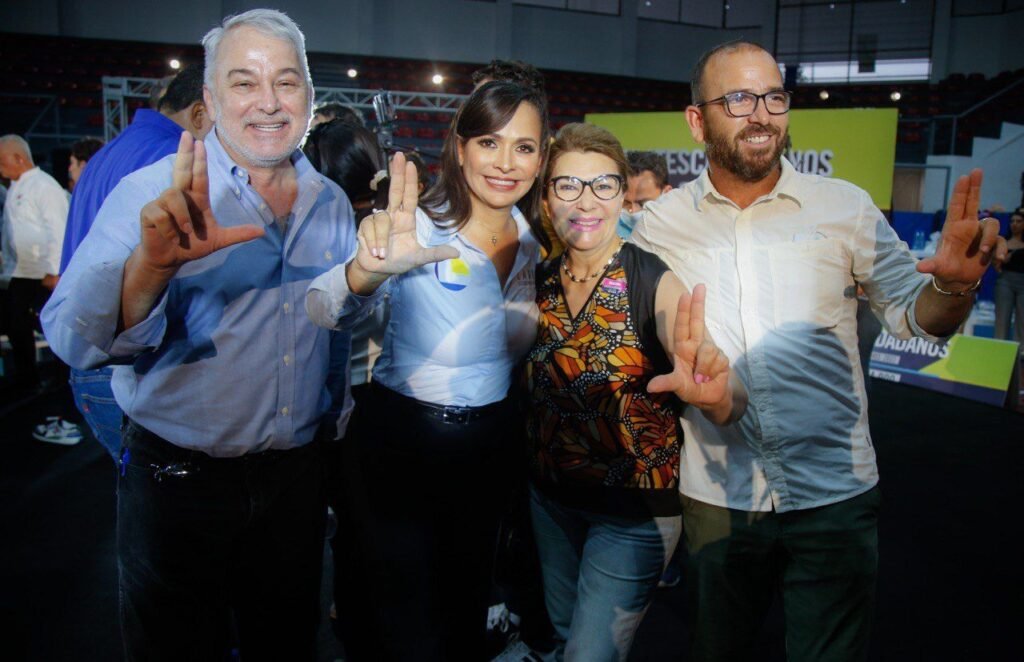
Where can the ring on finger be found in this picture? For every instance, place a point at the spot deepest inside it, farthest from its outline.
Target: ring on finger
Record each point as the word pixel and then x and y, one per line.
pixel 374 213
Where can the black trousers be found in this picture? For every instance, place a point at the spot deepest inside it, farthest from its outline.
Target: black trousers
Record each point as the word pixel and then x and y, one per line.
pixel 25 298
pixel 420 500
pixel 200 539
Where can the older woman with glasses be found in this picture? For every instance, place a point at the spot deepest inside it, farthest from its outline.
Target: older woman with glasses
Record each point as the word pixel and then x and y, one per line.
pixel 621 347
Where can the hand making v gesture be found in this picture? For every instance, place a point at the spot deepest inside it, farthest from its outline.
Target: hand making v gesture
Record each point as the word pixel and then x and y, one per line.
pixel 387 238
pixel 700 374
pixel 179 226
pixel 967 246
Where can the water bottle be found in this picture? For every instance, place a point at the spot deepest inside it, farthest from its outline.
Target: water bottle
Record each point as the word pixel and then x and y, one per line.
pixel 919 240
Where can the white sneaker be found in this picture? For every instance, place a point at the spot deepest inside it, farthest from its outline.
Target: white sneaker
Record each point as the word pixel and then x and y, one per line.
pixel 58 431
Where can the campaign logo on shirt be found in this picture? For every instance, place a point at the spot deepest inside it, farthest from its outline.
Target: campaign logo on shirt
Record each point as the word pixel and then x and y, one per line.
pixel 452 274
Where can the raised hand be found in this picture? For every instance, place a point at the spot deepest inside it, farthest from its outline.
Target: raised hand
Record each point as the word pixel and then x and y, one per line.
pixel 700 373
pixel 967 246
pixel 387 238
pixel 179 225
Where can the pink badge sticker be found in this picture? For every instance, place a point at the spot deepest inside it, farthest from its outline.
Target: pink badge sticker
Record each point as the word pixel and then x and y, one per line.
pixel 613 285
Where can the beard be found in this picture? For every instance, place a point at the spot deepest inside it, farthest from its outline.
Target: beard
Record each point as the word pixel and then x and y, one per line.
pixel 729 156
pixel 249 153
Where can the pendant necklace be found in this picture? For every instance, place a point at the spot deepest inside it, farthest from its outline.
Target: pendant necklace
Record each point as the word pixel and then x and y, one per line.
pixel 583 279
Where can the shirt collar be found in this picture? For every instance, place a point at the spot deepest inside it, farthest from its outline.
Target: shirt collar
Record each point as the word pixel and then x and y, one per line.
pixel 237 176
pixel 156 118
pixel 25 176
pixel 789 186
pixel 439 236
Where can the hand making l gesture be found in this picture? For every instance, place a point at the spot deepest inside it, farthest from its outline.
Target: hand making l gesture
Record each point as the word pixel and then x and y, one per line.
pixel 700 374
pixel 387 238
pixel 179 226
pixel 967 246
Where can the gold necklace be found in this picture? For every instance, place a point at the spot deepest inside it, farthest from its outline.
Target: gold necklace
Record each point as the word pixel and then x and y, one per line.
pixel 494 235
pixel 583 279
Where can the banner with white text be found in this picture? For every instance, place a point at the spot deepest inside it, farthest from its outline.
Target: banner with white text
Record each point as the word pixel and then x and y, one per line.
pixel 855 144
pixel 967 366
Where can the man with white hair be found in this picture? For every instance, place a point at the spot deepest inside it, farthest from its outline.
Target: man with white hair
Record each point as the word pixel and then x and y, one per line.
pixel 33 229
pixel 192 281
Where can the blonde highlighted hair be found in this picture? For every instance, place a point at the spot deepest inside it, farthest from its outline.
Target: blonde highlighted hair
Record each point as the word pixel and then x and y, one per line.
pixel 580 137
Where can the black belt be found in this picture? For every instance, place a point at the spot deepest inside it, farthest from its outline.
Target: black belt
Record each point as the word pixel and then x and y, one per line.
pixel 444 413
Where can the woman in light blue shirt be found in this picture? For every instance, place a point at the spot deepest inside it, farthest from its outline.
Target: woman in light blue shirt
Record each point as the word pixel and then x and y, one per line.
pixel 438 436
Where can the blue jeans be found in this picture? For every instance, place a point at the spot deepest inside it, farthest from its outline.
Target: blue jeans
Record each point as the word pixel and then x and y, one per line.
pixel 600 573
pixel 95 400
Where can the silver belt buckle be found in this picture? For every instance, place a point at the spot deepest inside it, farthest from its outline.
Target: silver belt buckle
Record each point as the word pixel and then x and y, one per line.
pixel 455 415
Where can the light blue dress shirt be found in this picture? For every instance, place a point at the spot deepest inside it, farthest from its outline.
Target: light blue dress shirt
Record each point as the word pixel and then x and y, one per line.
pixel 227 362
pixel 455 334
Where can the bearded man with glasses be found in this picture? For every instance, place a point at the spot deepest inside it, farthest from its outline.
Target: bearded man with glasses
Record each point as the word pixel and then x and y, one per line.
pixel 787 496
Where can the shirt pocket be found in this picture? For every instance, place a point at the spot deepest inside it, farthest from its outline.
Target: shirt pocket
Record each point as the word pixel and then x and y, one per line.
pixel 809 279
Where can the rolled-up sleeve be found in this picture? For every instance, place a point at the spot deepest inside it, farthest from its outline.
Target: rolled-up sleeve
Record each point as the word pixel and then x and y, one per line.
pixel 885 268
pixel 80 320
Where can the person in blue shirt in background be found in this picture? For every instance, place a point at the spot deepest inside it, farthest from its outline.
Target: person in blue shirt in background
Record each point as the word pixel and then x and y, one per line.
pixel 152 135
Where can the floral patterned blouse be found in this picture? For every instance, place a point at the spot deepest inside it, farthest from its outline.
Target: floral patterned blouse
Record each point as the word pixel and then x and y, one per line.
pixel 598 440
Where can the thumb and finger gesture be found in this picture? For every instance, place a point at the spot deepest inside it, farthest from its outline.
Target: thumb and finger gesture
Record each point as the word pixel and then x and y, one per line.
pixel 387 238
pixel 179 226
pixel 700 373
pixel 967 246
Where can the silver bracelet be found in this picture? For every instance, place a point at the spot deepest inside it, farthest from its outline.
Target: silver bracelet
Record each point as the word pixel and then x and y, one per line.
pixel 962 293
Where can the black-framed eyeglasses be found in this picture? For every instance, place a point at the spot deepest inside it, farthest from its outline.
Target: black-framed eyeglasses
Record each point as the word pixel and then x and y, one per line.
pixel 744 104
pixel 569 189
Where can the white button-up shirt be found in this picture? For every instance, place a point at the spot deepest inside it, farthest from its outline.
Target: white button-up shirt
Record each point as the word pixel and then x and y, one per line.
pixel 33 229
pixel 782 280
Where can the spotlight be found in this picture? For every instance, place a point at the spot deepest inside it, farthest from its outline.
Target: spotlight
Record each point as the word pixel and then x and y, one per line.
pixel 823 95
pixel 896 96
pixel 437 79
pixel 352 73
pixel 175 64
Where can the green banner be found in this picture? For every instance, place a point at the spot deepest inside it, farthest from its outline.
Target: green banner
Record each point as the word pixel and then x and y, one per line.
pixel 855 144
pixel 968 366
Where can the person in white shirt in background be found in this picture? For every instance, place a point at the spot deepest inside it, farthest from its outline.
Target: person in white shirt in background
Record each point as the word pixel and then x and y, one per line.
pixel 35 214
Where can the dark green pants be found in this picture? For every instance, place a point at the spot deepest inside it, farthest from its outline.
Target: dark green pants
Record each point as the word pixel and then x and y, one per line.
pixel 824 560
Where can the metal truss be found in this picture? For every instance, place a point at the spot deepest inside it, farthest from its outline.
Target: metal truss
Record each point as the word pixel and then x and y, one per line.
pixel 363 99
pixel 117 90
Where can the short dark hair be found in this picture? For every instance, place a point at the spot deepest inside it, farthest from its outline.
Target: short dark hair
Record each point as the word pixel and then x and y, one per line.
pixel 488 109
pixel 339 111
pixel 84 149
pixel 422 173
pixel 184 90
pixel 346 154
pixel 510 71
pixel 651 161
pixel 697 78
